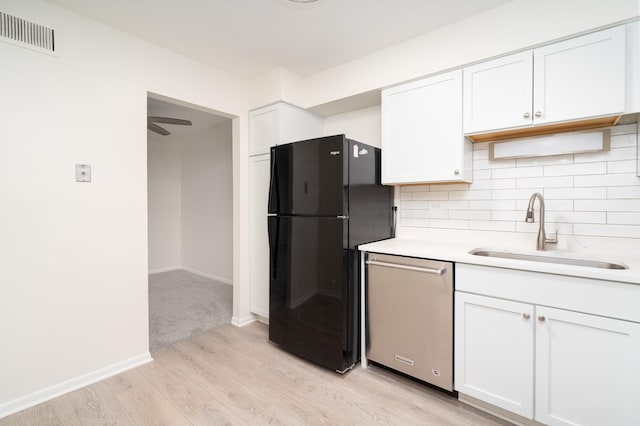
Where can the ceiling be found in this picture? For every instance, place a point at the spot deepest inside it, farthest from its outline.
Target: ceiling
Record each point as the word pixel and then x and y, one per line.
pixel 251 37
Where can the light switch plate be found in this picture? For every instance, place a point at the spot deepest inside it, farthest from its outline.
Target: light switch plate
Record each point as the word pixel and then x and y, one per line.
pixel 83 173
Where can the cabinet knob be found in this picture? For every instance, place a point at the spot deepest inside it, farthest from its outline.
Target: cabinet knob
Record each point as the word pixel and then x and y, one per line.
pixel 456 172
pixel 541 318
pixel 526 315
pixel 526 115
pixel 538 113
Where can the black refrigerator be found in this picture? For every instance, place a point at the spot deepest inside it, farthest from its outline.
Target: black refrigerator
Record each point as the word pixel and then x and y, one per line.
pixel 325 198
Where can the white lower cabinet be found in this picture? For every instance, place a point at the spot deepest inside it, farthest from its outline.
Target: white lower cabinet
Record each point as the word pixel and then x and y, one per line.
pixel 584 368
pixel 494 351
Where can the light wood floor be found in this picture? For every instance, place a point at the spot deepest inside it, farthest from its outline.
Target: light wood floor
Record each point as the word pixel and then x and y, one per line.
pixel 235 376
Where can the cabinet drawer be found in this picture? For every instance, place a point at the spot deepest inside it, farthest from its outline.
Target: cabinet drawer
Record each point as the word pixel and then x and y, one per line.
pixel 599 297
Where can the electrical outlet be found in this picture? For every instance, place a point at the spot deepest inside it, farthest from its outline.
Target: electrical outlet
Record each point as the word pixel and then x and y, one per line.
pixel 83 173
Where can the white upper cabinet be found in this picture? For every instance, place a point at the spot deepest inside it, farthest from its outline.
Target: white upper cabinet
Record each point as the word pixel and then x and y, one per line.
pixel 497 94
pixel 422 139
pixel 281 123
pixel 577 79
pixel 580 78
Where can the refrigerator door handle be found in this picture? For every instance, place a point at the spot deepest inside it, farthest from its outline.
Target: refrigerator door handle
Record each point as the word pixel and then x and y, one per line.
pixel 273 243
pixel 274 195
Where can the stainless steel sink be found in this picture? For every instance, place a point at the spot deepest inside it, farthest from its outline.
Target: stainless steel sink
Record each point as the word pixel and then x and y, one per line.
pixel 590 263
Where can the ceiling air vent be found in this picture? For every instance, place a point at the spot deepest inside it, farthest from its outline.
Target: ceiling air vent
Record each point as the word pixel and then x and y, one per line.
pixel 26 34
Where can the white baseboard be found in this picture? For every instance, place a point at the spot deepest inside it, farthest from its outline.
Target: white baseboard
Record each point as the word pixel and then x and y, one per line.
pixel 241 322
pixel 210 276
pixel 161 270
pixel 54 391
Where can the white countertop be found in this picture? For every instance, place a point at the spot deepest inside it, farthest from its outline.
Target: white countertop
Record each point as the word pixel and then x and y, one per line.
pixel 458 251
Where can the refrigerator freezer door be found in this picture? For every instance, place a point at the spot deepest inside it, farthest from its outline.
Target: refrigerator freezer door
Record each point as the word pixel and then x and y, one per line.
pixel 309 294
pixel 310 178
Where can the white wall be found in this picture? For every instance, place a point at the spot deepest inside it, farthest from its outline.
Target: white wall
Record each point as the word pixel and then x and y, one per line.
pixel 513 26
pixel 164 203
pixel 362 125
pixel 207 197
pixel 73 282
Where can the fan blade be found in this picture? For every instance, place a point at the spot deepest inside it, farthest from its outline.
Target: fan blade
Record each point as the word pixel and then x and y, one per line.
pixel 167 120
pixel 155 128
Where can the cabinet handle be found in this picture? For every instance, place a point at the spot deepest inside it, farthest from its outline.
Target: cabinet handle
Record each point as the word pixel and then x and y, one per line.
pixel 541 318
pixel 456 172
pixel 538 114
pixel 526 315
pixel 526 115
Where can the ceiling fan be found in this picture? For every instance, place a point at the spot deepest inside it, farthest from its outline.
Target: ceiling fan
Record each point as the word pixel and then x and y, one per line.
pixel 151 124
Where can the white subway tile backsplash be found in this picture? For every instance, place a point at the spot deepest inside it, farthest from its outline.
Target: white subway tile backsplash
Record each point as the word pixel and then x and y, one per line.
pixel 449 187
pixel 493 205
pixel 492 225
pixel 516 172
pixel 456 205
pixel 624 192
pixel 415 223
pixel 607 205
pixel 510 215
pixel 622 218
pixel 556 205
pixel 405 196
pixel 576 169
pixel 623 231
pixel 481 154
pixel 470 214
pixel 623 141
pixel 622 179
pixel 624 129
pixel 450 224
pixel 495 164
pixel 414 188
pixel 431 214
pixel 545 182
pixel 481 175
pixel 470 195
pixel 585 194
pixel 590 193
pixel 624 166
pixel 430 196
pixel 576 217
pixel 513 194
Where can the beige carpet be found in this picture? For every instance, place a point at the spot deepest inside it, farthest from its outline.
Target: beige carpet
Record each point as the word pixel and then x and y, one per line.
pixel 182 305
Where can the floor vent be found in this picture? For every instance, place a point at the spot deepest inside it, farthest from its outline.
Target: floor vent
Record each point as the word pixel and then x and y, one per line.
pixel 27 34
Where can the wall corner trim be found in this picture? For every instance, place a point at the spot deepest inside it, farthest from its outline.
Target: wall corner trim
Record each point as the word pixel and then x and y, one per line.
pixel 67 386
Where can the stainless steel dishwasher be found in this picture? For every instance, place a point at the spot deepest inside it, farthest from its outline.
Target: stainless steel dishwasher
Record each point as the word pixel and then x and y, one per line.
pixel 410 316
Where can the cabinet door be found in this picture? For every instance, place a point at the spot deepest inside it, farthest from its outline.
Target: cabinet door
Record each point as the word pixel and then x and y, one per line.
pixel 422 137
pixel 494 351
pixel 587 369
pixel 259 248
pixel 580 78
pixel 497 93
pixel 264 129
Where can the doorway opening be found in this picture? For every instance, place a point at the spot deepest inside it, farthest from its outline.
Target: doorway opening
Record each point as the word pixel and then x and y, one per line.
pixel 190 220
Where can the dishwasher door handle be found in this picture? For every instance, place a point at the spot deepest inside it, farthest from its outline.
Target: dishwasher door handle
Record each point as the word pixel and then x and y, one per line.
pixel 407 268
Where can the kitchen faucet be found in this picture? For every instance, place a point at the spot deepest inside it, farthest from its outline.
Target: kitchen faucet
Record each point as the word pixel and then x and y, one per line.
pixel 542 236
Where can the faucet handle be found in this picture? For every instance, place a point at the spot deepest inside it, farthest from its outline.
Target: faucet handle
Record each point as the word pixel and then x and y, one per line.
pixel 552 240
